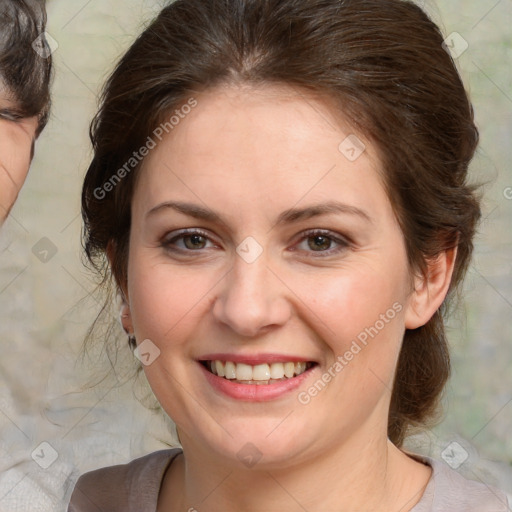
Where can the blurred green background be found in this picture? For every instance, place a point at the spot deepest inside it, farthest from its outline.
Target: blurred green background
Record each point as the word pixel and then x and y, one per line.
pixel 46 306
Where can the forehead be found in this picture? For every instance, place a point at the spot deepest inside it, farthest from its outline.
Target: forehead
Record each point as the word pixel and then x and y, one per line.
pixel 244 113
pixel 267 144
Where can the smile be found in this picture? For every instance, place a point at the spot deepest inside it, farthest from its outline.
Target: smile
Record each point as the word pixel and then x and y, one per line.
pixel 266 373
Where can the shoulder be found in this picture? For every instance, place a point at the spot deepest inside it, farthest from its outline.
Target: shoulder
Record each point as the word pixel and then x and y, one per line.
pixel 125 487
pixel 449 490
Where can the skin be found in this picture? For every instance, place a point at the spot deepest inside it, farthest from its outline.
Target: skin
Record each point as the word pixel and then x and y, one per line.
pixel 17 139
pixel 249 154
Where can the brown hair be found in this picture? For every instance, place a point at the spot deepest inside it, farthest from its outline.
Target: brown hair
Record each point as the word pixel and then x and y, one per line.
pixel 24 72
pixel 381 61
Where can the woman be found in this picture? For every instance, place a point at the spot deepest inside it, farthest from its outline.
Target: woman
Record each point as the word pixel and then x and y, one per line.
pixel 279 191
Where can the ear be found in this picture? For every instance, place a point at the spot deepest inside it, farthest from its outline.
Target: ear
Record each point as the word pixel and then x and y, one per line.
pixel 430 290
pixel 125 316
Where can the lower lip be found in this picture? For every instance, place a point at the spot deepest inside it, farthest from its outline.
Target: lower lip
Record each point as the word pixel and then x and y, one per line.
pixel 255 392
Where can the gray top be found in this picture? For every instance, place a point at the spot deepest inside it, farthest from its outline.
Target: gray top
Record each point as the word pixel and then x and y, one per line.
pixel 134 487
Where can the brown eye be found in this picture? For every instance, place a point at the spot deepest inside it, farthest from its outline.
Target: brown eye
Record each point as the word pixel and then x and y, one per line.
pixel 319 242
pixel 186 241
pixel 195 241
pixel 322 242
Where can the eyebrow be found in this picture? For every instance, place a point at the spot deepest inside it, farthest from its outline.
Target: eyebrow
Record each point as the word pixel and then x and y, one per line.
pixel 286 217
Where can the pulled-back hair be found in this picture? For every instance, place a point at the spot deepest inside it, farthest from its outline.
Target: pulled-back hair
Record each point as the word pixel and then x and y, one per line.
pixel 24 72
pixel 383 64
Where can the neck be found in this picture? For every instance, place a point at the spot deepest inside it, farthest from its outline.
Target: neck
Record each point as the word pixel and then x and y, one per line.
pixel 374 476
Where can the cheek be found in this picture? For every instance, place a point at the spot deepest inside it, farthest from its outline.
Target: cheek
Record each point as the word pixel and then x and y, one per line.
pixel 358 314
pixel 347 302
pixel 165 299
pixel 359 317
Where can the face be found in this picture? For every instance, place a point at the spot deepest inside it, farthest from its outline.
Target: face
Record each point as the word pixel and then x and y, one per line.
pixel 259 242
pixel 16 148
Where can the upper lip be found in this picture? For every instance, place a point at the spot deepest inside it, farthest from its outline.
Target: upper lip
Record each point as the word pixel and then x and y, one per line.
pixel 254 359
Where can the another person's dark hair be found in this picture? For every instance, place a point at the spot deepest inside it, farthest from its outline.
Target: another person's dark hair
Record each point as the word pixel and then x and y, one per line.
pixel 24 73
pixel 382 63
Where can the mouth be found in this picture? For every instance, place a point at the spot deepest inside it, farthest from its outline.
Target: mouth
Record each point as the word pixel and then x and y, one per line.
pixel 259 374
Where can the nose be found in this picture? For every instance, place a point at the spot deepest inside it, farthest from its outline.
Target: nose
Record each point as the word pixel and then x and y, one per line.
pixel 252 299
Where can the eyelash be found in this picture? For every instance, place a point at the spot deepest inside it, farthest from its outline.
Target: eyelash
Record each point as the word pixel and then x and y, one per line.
pixel 343 243
pixel 10 115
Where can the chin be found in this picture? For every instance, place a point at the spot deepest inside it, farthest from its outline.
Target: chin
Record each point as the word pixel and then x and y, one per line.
pixel 262 443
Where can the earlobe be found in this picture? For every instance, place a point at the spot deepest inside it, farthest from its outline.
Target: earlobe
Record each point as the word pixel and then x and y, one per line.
pixel 430 290
pixel 125 315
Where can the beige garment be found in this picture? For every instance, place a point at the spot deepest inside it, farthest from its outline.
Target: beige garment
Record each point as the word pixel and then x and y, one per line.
pixel 134 487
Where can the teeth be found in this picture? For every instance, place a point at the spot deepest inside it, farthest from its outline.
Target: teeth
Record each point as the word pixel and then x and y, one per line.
pixel 277 371
pixel 258 374
pixel 289 369
pixel 243 371
pixel 230 370
pixel 219 367
pixel 300 368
